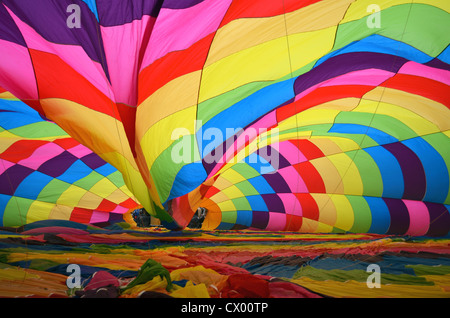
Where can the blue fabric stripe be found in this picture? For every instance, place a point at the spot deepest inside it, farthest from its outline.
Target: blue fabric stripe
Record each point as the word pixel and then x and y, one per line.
pixel 257 203
pixel 32 185
pixel 381 218
pixel 4 199
pixel 246 111
pixel 244 217
pixel 377 135
pixel 187 179
pixel 260 184
pixel 391 172
pixel 76 171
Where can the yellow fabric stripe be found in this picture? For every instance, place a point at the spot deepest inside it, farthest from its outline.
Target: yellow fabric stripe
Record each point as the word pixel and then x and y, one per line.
pixel 360 290
pixel 429 109
pixel 105 133
pixel 417 123
pixel 103 188
pixel 71 196
pixel 326 207
pixel 329 174
pixel 244 67
pixel 233 192
pixel 60 212
pixel 230 39
pixel 349 173
pixel 233 176
pixel 159 136
pixel 179 94
pixel 133 180
pixel 89 199
pixel 344 212
pixel 226 206
pixel 39 211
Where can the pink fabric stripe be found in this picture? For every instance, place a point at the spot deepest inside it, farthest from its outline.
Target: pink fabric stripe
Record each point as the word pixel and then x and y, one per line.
pixel 277 221
pixel 289 151
pixel 122 44
pixel 268 120
pixel 41 155
pixel 120 209
pixel 291 204
pixel 4 165
pixel 16 71
pixel 413 68
pixel 79 151
pixel 73 55
pixel 99 216
pixel 371 77
pixel 178 29
pixel 419 217
pixel 293 179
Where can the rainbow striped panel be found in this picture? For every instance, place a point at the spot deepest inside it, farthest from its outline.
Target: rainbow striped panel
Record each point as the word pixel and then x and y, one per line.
pixel 310 116
pixel 46 174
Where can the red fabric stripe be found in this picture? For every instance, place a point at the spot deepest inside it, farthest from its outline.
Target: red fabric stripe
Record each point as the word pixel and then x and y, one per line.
pixel 422 86
pixel 173 65
pixel 319 96
pixel 56 79
pixel 308 149
pixel 21 149
pixel 311 177
pixel 310 209
pixel 81 215
pixel 262 8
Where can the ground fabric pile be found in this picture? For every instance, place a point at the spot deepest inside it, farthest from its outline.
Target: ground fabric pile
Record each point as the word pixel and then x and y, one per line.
pixel 123 261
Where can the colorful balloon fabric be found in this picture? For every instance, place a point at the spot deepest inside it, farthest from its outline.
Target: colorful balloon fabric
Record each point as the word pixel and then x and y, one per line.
pixel 39 260
pixel 46 174
pixel 309 116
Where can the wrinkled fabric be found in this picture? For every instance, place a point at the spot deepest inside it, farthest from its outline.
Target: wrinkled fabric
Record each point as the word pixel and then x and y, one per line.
pixel 221 264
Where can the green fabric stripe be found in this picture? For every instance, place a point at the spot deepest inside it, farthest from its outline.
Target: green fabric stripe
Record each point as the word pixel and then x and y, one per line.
pixel 422 26
pixel 369 172
pixel 362 214
pixel 53 190
pixel 441 143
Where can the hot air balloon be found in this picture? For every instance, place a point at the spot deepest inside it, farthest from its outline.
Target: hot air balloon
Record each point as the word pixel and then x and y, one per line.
pixel 310 116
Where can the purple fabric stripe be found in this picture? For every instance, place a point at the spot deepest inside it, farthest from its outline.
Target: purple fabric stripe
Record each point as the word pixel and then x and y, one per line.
pixel 277 182
pixel 93 161
pixel 115 217
pixel 113 12
pixel 12 178
pixel 399 216
pixel 260 219
pixel 437 63
pixel 58 165
pixel 439 219
pixel 209 161
pixel 413 173
pixel 180 4
pixel 272 156
pixel 345 63
pixel 273 202
pixel 49 19
pixel 8 29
